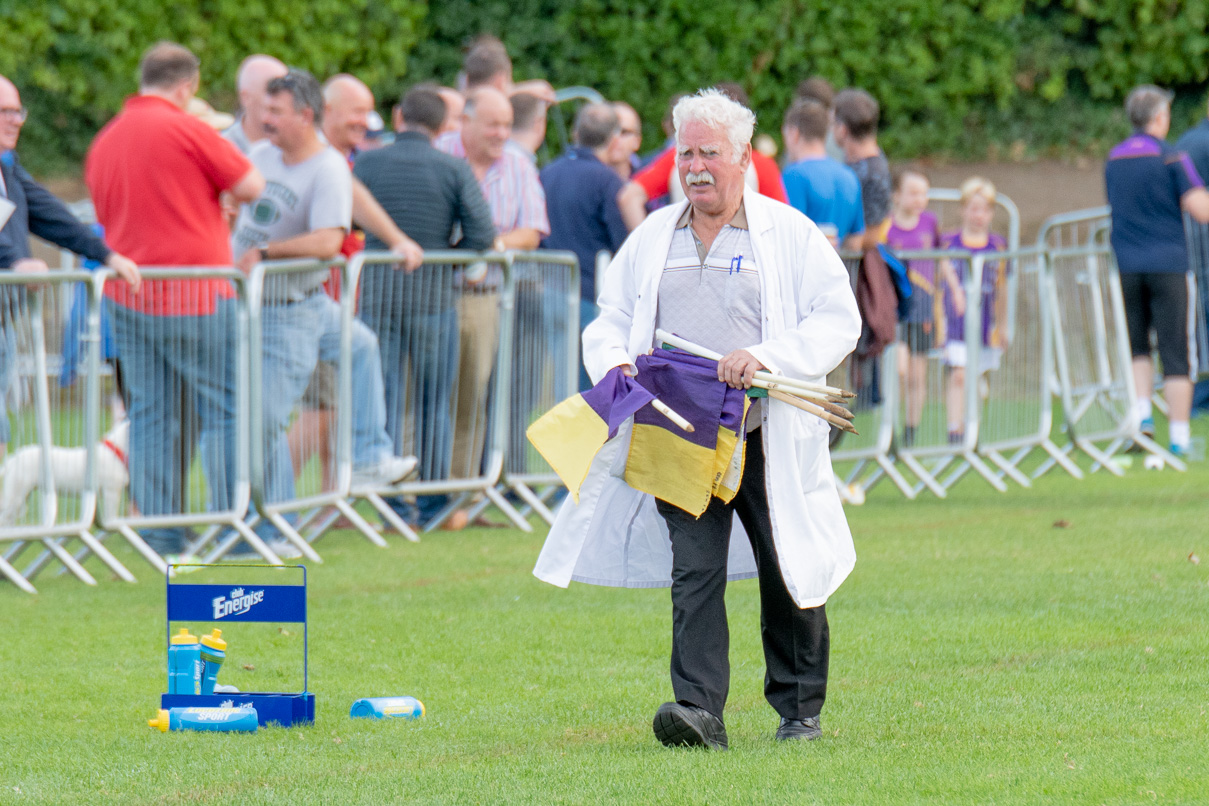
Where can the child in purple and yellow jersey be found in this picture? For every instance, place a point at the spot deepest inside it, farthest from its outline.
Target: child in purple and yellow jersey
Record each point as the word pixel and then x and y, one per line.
pixel 913 228
pixel 977 212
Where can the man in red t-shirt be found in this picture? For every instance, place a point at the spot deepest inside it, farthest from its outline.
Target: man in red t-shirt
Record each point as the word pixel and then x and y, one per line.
pixel 156 175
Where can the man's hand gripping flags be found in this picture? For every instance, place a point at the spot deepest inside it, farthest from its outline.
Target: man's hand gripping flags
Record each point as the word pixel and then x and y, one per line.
pixel 689 444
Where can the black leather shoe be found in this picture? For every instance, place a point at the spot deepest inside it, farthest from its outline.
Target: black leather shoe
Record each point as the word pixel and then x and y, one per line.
pixel 807 729
pixel 678 725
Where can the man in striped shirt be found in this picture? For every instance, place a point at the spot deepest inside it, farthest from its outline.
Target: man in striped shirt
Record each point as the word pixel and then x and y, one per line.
pixel 513 190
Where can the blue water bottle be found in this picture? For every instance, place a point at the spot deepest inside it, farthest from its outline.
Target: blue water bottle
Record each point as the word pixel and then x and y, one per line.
pixel 213 652
pixel 387 708
pixel 242 720
pixel 184 664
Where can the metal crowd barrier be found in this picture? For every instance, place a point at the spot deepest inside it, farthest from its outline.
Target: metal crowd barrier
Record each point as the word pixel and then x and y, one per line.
pixel 1093 358
pixel 1017 414
pixel 874 420
pixel 49 433
pixel 943 406
pixel 545 366
pixel 445 335
pixel 1088 227
pixel 473 347
pixel 182 347
pixel 1198 260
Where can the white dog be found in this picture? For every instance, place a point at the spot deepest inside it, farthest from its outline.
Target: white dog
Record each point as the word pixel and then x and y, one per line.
pixel 22 472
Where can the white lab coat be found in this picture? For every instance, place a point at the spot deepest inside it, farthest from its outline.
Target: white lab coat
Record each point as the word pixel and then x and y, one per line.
pixel 615 536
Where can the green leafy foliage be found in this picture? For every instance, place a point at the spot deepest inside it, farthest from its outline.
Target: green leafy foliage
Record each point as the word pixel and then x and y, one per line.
pixel 76 60
pixel 960 77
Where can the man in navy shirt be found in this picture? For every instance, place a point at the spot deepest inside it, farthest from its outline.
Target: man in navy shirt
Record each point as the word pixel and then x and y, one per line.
pixel 1150 185
pixel 1195 143
pixel 581 197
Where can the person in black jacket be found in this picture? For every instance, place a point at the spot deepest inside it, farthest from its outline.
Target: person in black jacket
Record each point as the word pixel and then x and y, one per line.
pixel 28 208
pixel 436 200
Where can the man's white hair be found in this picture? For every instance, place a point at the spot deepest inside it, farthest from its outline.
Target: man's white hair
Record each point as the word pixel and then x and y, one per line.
pixel 713 108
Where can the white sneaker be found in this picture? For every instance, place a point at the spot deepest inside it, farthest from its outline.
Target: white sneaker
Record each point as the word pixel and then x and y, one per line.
pixel 389 470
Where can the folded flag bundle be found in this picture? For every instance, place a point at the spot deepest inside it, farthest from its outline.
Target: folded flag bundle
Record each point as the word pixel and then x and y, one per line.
pixel 682 465
pixel 687 468
pixel 570 435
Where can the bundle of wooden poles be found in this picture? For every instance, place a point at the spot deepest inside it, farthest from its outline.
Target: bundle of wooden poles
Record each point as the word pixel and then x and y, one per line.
pixel 824 402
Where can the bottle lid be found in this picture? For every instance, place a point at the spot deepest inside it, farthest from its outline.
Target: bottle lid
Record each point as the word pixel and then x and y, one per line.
pixel 183 637
pixel 214 641
pixel 161 721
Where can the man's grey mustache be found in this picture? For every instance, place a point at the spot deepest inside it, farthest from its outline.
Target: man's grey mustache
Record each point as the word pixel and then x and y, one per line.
pixel 699 178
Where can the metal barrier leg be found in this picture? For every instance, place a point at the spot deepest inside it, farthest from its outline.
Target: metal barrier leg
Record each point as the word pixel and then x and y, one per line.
pixel 391 517
pixel 1101 458
pixel 15 577
pixel 242 529
pixel 1057 457
pixel 39 563
pixel 886 466
pixel 323 522
pixel 1009 468
pixel 533 501
pixel 140 545
pixel 980 467
pixel 94 545
pixel 289 533
pixel 502 504
pixel 360 524
pixel 55 545
pixel 204 539
pixel 926 479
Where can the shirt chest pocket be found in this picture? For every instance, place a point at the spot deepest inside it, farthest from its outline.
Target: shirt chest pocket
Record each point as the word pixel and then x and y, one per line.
pixel 741 295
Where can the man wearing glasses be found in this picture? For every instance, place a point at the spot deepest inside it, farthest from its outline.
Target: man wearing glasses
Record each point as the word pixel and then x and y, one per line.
pixel 26 207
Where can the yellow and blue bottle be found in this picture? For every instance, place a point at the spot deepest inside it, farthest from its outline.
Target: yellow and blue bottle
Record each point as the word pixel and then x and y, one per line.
pixel 184 664
pixel 242 720
pixel 387 708
pixel 213 653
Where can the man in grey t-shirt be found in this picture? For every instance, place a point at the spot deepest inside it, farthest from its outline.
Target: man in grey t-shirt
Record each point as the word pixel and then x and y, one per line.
pixel 304 212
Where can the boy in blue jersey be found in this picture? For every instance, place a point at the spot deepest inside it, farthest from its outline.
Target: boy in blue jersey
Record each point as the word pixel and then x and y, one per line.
pixel 1150 185
pixel 826 191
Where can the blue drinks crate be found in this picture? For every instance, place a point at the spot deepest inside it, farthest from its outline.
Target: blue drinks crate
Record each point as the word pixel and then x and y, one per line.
pixel 221 604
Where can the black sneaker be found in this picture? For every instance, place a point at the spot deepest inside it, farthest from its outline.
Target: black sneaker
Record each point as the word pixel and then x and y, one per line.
pixel 807 729
pixel 681 725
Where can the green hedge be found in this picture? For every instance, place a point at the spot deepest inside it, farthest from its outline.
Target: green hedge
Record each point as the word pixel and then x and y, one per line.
pixel 954 76
pixel 76 60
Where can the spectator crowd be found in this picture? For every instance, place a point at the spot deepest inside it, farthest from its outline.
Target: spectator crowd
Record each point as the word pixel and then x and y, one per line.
pixel 309 170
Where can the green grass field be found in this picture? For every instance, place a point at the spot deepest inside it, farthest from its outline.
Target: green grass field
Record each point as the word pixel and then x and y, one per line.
pixel 980 654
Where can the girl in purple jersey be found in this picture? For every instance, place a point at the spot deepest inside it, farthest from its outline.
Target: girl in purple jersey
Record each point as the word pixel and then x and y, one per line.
pixel 913 228
pixel 977 212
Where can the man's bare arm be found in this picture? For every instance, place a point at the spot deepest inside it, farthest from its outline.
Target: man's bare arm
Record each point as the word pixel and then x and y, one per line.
pixel 1196 203
pixel 631 200
pixel 523 240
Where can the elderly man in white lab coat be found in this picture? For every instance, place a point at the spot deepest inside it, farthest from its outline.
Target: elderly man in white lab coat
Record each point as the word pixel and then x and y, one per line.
pixel 756 281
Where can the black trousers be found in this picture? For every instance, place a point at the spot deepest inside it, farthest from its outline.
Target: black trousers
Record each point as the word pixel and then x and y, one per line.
pixel 796 641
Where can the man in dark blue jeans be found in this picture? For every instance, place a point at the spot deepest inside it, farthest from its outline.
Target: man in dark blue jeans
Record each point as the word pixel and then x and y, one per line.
pixel 432 197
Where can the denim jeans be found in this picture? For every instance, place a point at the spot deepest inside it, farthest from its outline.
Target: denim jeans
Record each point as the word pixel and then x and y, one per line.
pixel 163 357
pixel 588 311
pixel 295 338
pixel 419 353
pixel 8 374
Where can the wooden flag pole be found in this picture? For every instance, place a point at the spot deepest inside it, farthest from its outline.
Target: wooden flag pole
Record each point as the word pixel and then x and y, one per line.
pixel 670 413
pixel 801 388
